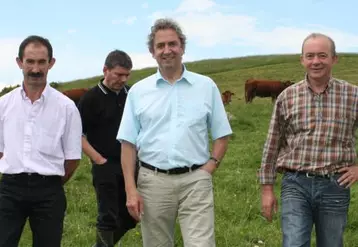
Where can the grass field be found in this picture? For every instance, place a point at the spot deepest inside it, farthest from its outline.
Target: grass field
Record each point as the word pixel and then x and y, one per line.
pixel 237 194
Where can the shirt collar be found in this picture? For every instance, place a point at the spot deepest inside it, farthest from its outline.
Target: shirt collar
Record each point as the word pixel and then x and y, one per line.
pixel 106 90
pixel 329 85
pixel 184 76
pixel 44 95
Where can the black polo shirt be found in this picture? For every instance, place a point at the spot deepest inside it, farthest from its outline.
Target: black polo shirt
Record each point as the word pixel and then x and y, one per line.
pixel 101 112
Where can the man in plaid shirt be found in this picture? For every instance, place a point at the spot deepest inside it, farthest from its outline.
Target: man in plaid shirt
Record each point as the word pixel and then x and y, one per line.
pixel 311 141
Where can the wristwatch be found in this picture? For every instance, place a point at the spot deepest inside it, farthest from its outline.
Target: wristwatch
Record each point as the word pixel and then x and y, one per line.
pixel 217 162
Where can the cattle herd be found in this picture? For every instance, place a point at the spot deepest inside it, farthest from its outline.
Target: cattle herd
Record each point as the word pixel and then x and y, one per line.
pixel 253 88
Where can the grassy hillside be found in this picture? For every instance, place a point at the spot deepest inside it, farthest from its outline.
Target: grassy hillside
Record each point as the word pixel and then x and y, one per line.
pixel 233 72
pixel 237 195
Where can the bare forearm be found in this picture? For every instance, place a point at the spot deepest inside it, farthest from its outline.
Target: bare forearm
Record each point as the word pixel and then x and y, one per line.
pixel 266 187
pixel 128 160
pixel 90 151
pixel 220 147
pixel 70 168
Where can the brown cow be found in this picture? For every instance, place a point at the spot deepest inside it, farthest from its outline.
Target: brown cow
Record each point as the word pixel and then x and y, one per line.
pixel 75 94
pixel 264 88
pixel 226 97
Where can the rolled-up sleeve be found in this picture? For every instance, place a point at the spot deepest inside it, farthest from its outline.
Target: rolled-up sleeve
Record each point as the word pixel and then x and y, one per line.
pixel 72 137
pixel 130 125
pixel 218 121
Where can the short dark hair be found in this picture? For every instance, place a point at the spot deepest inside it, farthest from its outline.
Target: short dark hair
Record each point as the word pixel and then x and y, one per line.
pixel 118 58
pixel 37 40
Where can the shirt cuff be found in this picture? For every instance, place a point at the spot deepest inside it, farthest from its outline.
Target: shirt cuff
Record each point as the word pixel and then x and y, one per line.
pixel 121 139
pixel 267 174
pixel 222 134
pixel 73 156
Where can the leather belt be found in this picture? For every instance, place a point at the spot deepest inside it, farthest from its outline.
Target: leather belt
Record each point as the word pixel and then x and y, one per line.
pixel 178 170
pixel 311 174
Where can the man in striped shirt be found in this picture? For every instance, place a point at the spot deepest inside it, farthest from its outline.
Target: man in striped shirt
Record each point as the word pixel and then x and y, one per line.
pixel 311 141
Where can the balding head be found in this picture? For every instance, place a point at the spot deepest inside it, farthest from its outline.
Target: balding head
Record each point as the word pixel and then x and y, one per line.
pixel 320 35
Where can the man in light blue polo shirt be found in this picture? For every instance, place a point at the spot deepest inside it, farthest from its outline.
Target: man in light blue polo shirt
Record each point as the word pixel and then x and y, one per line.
pixel 167 120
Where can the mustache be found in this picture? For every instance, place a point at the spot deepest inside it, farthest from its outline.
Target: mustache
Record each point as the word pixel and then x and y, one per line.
pixel 37 75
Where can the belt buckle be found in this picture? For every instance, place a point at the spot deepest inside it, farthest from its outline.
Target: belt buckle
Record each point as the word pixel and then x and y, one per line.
pixel 308 175
pixel 328 175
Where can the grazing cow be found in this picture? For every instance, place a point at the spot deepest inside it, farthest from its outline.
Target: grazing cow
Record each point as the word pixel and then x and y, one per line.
pixel 226 97
pixel 75 94
pixel 264 88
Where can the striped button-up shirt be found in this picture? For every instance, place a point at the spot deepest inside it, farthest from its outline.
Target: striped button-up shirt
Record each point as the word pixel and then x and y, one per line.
pixel 311 132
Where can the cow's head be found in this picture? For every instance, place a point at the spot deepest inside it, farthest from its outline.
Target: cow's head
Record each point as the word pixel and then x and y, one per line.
pixel 226 96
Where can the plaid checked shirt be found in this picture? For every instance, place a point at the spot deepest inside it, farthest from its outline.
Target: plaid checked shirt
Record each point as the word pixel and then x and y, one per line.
pixel 311 132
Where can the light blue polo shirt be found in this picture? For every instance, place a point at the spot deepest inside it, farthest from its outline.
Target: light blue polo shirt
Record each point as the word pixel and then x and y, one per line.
pixel 169 123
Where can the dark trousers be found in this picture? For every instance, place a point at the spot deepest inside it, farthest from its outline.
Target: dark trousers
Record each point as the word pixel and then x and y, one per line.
pixel 41 199
pixel 113 214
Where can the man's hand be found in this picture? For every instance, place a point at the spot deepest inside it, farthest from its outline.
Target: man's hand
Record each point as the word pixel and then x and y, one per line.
pixel 349 176
pixel 135 204
pixel 209 166
pixel 70 168
pixel 268 202
pixel 100 160
pixel 92 153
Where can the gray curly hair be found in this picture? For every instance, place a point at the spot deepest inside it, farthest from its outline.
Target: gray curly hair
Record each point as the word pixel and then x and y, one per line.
pixel 163 24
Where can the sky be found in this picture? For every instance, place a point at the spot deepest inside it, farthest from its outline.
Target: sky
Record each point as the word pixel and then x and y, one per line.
pixel 82 33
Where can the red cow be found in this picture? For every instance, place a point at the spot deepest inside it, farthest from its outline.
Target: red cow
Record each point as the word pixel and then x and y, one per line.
pixel 264 88
pixel 226 97
pixel 75 94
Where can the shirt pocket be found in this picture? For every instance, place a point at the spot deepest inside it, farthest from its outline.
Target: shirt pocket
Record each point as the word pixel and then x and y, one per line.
pixel 339 135
pixel 47 142
pixel 340 128
pixel 195 116
pixel 299 123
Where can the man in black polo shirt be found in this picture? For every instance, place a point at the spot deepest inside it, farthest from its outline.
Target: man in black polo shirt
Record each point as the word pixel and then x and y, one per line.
pixel 101 110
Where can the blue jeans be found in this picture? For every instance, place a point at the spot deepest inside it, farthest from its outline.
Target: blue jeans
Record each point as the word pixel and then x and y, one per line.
pixel 313 200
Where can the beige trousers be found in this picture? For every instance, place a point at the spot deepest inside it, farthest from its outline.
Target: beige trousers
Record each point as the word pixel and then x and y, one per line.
pixel 188 196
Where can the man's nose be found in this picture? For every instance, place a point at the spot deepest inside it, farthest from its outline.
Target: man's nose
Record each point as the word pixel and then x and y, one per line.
pixel 167 49
pixel 316 60
pixel 35 69
pixel 123 78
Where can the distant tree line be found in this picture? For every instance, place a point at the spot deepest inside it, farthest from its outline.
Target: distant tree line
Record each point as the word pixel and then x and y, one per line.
pixel 5 90
pixel 54 84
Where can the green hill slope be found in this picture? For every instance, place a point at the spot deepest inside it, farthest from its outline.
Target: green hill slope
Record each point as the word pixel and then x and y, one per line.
pixel 231 73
